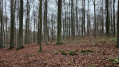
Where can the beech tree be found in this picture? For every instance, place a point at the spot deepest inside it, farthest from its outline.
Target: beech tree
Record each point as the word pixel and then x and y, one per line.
pixel 59 22
pixel 102 21
pixel 118 26
pixel 27 33
pixel 114 18
pixel 107 18
pixel 95 24
pixel 88 19
pixel 12 25
pixel 40 26
pixel 45 23
pixel 72 20
pixel 83 18
pixel 1 22
pixel 20 37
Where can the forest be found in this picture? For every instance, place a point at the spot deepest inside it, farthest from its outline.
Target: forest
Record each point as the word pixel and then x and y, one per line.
pixel 59 33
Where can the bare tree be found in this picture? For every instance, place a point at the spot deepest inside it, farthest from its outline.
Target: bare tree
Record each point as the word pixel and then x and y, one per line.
pixel 59 22
pixel 12 26
pixel 118 26
pixel 40 26
pixel 1 21
pixel 95 24
pixel 27 31
pixel 72 20
pixel 107 18
pixel 45 23
pixel 20 37
pixel 114 18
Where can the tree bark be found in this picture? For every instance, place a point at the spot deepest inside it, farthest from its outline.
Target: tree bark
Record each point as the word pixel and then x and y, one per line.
pixel 72 20
pixel 45 23
pixel 118 26
pixel 1 21
pixel 20 37
pixel 27 33
pixel 95 24
pixel 114 18
pixel 40 26
pixel 107 19
pixel 59 22
pixel 12 26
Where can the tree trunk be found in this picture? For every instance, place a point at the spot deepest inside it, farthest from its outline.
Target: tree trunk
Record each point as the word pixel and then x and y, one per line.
pixel 114 18
pixel 59 22
pixel 45 23
pixel 40 26
pixel 1 21
pixel 52 21
pixel 72 20
pixel 83 18
pixel 118 26
pixel 107 19
pixel 27 33
pixel 95 24
pixel 77 28
pixel 20 37
pixel 88 20
pixel 12 26
pixel 102 21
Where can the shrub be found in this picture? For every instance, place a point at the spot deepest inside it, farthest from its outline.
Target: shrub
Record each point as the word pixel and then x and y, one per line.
pixel 63 53
pixel 86 51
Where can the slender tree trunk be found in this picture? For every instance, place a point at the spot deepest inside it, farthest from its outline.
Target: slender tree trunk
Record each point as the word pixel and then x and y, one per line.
pixel 59 22
pixel 67 22
pixel 1 21
pixel 15 27
pixel 118 26
pixel 114 18
pixel 82 18
pixel 34 34
pixel 72 20
pixel 95 24
pixel 12 26
pixel 27 33
pixel 52 21
pixel 107 19
pixel 88 20
pixel 45 23
pixel 63 28
pixel 20 37
pixel 77 17
pixel 69 19
pixel 111 18
pixel 102 21
pixel 40 26
pixel 6 23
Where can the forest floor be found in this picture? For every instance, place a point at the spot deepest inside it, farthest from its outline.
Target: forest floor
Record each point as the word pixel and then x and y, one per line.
pixel 85 52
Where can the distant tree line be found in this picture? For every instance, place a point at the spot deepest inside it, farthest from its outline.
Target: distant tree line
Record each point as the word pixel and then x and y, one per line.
pixel 34 21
